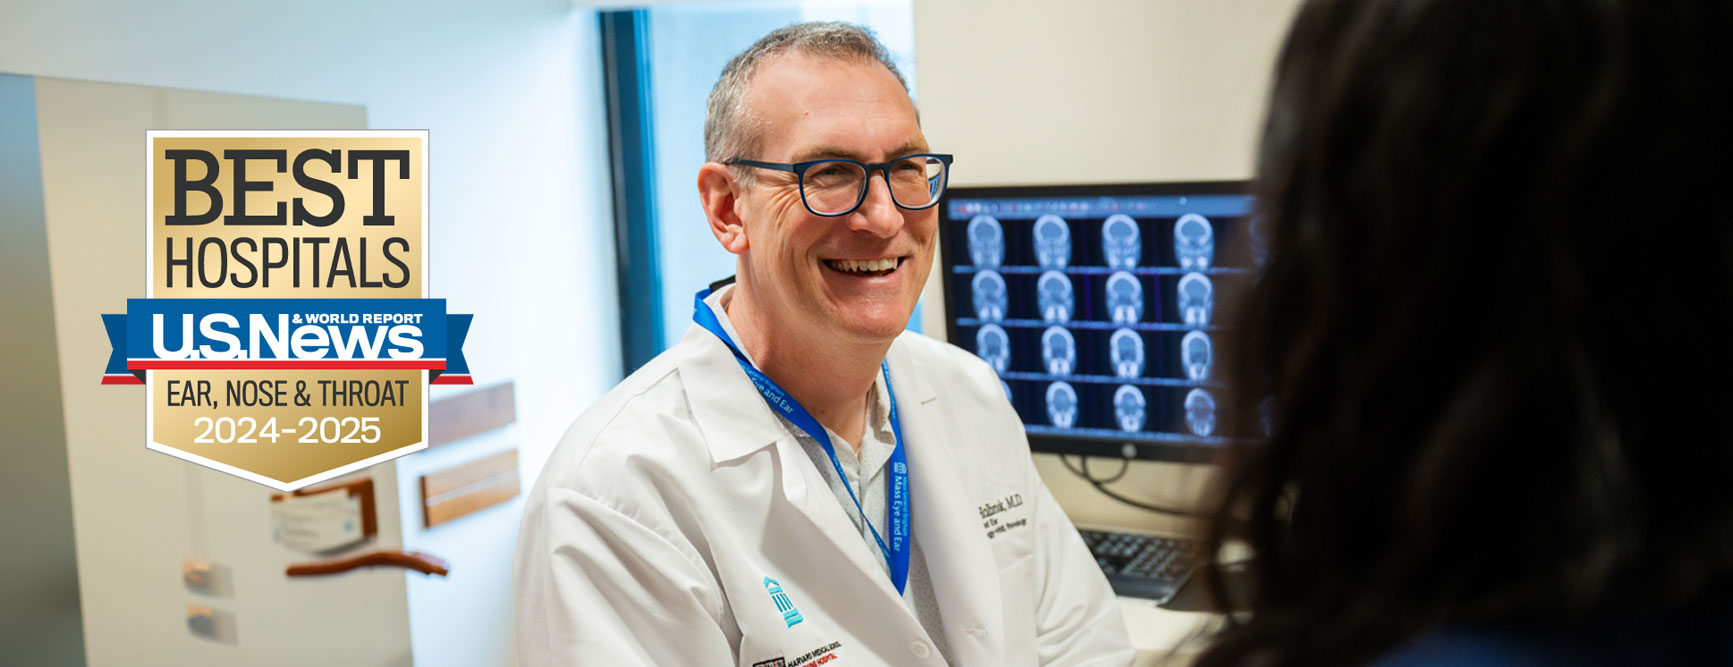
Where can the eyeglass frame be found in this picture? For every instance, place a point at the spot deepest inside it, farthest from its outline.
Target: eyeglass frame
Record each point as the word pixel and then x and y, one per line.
pixel 799 170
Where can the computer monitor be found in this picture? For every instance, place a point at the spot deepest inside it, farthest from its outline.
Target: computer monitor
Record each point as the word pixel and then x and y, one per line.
pixel 1096 306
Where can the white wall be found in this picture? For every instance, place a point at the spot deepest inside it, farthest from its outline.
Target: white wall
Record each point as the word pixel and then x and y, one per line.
pixel 1097 91
pixel 1094 91
pixel 520 214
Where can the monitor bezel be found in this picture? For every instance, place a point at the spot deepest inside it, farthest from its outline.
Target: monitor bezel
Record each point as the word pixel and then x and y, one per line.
pixel 1082 445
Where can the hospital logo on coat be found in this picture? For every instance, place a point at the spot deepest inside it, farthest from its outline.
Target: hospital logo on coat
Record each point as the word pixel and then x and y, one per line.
pixel 789 613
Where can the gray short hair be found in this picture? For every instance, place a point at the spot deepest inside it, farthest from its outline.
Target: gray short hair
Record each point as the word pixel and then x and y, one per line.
pixel 729 131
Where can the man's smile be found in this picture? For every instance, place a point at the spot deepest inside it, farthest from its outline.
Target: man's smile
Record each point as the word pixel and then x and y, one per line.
pixel 869 268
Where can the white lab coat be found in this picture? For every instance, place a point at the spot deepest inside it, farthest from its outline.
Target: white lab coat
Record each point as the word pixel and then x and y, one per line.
pixel 651 533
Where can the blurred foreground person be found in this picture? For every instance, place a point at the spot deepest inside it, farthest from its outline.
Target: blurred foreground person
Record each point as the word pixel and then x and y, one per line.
pixel 1494 332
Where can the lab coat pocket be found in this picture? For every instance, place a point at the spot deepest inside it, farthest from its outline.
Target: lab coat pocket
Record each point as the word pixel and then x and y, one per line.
pixel 1018 585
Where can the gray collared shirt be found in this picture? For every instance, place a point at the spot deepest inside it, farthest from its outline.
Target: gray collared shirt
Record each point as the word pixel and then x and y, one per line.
pixel 866 474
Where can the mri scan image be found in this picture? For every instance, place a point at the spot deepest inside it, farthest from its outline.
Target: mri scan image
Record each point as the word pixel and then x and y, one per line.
pixel 1129 408
pixel 1124 298
pixel 994 346
pixel 986 242
pixel 1194 242
pixel 1007 387
pixel 1195 354
pixel 1052 242
pixel 1121 242
pixel 1200 412
pixel 1053 295
pixel 1058 351
pixel 1061 405
pixel 1126 349
pixel 1196 299
pixel 988 289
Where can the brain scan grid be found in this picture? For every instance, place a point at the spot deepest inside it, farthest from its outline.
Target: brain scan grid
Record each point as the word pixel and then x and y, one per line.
pixel 1098 313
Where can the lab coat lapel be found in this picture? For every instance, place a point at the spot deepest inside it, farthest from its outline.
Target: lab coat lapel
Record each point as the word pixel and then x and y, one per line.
pixel 810 494
pixel 736 423
pixel 734 420
pixel 947 525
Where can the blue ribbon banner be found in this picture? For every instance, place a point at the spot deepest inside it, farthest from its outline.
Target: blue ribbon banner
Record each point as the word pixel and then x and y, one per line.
pixel 351 334
pixel 897 482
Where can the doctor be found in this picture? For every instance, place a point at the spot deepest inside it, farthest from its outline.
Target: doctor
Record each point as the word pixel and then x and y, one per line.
pixel 798 482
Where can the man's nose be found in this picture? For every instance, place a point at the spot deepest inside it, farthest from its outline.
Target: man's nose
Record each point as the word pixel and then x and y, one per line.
pixel 878 213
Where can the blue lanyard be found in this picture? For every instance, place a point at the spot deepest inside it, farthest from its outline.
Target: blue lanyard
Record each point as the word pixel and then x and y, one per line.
pixel 896 484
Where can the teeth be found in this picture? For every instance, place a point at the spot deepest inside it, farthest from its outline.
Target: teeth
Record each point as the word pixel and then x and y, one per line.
pixel 863 266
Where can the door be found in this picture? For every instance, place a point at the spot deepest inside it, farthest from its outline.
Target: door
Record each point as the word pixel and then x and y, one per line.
pixel 139 516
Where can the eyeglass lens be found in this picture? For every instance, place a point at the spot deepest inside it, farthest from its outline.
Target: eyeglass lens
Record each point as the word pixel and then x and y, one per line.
pixel 834 187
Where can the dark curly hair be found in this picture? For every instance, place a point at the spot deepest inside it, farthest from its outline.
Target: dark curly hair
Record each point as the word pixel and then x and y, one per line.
pixel 1494 329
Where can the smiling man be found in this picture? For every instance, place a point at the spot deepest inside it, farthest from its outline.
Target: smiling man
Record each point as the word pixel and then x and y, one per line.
pixel 798 481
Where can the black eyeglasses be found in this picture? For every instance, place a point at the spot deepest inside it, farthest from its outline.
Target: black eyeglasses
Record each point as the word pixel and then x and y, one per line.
pixel 836 187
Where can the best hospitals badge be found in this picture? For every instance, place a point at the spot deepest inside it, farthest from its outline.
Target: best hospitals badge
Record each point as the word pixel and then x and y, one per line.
pixel 287 336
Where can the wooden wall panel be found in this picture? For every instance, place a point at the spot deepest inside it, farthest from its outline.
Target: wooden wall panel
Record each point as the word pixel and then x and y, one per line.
pixel 466 488
pixel 471 413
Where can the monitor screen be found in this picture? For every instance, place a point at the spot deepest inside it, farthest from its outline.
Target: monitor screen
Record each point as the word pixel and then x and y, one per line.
pixel 1096 306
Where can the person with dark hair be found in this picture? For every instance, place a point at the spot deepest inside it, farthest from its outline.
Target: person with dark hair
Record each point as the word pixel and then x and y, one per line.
pixel 1492 332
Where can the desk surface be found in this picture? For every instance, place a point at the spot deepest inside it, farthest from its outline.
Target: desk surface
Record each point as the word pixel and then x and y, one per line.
pixel 1163 636
pixel 1160 635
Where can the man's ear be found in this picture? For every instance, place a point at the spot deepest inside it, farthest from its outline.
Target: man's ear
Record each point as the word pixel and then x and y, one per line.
pixel 720 196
